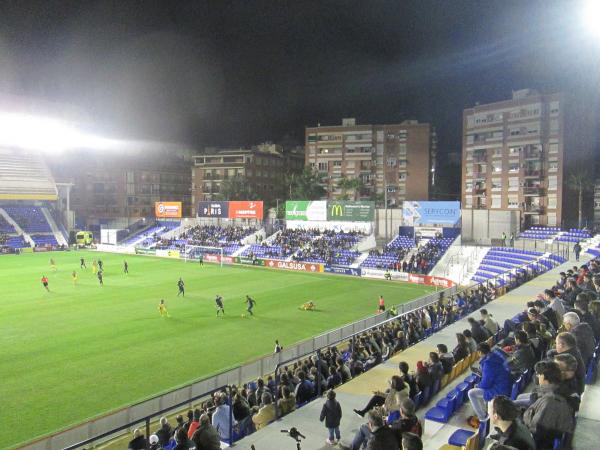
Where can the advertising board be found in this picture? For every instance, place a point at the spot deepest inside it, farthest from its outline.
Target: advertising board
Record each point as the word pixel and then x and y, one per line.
pixel 343 270
pixel 213 209
pixel 378 273
pixel 145 251
pixel 305 210
pixel 168 253
pixel 246 210
pixel 350 211
pixel 249 261
pixel 167 210
pixel 213 258
pixel 416 214
pixel 294 265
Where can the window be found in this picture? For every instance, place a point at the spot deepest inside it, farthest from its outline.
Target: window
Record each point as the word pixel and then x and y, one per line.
pixel 322 166
pixel 552 201
pixel 497 167
pixel 337 164
pixel 551 220
pixel 513 201
pixel 391 162
pixel 496 185
pixel 514 151
pixel 552 148
pixel 552 183
pixel 554 126
pixel 513 184
pixel 497 153
pixel 513 167
pixel 496 201
pixel 553 167
pixel 468 186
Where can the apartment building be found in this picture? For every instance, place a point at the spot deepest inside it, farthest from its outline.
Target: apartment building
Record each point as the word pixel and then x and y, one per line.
pixel 518 154
pixel 263 167
pixel 400 157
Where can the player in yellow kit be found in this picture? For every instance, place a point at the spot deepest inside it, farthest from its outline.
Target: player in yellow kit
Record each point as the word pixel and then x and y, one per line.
pixel 52 264
pixel 94 267
pixel 162 309
pixel 74 277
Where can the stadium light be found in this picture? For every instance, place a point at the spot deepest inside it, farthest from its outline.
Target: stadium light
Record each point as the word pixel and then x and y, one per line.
pixel 42 133
pixel 591 17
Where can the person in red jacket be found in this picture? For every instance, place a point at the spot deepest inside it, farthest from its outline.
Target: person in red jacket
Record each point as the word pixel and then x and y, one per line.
pixel 45 282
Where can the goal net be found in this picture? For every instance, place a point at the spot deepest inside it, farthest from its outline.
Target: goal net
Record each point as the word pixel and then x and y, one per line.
pixel 195 253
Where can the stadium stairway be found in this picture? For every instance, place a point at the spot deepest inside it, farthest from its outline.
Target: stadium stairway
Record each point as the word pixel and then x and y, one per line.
pixel 16 226
pixel 357 392
pixel 358 261
pixel 240 250
pixel 60 238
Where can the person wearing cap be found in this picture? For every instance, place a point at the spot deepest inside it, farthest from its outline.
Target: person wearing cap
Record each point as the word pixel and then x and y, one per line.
pixel 154 442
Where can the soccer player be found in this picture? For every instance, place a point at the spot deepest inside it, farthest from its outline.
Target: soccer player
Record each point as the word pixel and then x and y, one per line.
pixel 387 275
pixel 74 277
pixel 125 267
pixel 250 302
pixel 220 307
pixel 45 282
pixel 94 267
pixel 53 264
pixel 201 259
pixel 100 278
pixel 181 286
pixel 100 265
pixel 162 309
pixel 82 263
pixel 278 347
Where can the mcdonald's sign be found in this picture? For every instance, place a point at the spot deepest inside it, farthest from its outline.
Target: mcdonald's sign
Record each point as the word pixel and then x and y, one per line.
pixel 348 211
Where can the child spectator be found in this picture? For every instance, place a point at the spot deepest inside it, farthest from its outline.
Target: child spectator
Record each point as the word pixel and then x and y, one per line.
pixel 332 415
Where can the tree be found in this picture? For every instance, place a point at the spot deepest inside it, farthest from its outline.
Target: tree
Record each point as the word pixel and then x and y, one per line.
pixel 580 182
pixel 344 184
pixel 237 188
pixel 358 185
pixel 305 185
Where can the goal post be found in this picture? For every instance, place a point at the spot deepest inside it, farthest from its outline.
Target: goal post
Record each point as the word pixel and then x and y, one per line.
pixel 192 253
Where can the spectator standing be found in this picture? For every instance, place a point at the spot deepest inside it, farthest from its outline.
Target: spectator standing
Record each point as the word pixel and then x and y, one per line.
pixel 446 358
pixel 495 380
pixel 331 413
pixel 181 440
pixel 206 437
pixel 222 417
pixel 577 250
pixel 195 423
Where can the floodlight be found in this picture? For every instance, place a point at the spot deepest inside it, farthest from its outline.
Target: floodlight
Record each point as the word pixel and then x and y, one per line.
pixel 591 17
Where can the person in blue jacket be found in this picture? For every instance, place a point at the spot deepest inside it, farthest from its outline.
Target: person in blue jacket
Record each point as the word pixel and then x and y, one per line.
pixel 495 380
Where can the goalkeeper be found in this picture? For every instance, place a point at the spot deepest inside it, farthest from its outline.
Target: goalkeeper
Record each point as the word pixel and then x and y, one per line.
pixel 308 306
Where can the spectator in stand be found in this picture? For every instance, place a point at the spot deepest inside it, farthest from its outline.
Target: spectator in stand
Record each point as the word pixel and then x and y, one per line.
pixel 304 389
pixel 390 400
pixel 266 414
pixel 382 436
pixel 462 350
pixel 154 442
pixel 408 421
pixel 242 413
pixel 555 304
pixel 195 423
pixel 181 440
pixel 522 357
pixel 478 332
pixel 550 415
pixel 586 343
pixel 206 437
pixel 165 432
pixel 566 343
pixel 423 378
pixel 582 310
pixel 446 358
pixel 435 367
pixel 537 343
pixel 409 379
pixel 547 312
pixel 287 403
pixel 221 417
pixel 495 380
pixel 488 322
pixel 569 387
pixel 138 442
pixel 331 413
pixel 180 424
pixel 504 417
pixel 470 341
pixel 411 441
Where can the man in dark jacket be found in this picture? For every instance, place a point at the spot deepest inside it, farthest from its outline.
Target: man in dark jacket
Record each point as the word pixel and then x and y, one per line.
pixel 566 343
pixel 504 417
pixel 165 432
pixel 332 415
pixel 495 380
pixel 446 358
pixel 382 437
pixel 206 437
pixel 479 333
pixel 408 422
pixel 550 415
pixel 523 357
pixel 586 343
pixel 304 390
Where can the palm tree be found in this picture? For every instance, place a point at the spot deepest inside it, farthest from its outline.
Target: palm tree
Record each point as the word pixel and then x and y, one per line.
pixel 358 185
pixel 344 184
pixel 305 185
pixel 580 182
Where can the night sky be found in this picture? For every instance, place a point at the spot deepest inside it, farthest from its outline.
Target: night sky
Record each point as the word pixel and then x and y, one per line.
pixel 241 72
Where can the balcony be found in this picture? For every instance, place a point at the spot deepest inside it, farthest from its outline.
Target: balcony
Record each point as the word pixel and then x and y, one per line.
pixel 480 158
pixel 532 173
pixel 479 175
pixel 480 206
pixel 535 191
pixel 533 209
pixel 479 191
pixel 532 154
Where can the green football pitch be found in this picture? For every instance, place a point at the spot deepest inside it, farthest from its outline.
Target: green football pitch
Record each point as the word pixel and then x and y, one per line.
pixel 81 350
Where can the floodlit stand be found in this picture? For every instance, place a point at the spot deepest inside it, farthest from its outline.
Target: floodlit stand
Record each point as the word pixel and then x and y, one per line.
pixel 192 252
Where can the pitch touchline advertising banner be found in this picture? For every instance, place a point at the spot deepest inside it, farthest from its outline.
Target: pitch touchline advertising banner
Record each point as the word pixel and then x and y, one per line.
pixel 231 210
pixel 416 214
pixel 331 210
pixel 167 210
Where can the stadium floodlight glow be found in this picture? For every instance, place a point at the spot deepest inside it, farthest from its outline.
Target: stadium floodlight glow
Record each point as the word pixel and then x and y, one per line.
pixel 591 17
pixel 42 133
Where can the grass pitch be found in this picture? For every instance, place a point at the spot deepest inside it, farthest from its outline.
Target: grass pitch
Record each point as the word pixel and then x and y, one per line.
pixel 81 350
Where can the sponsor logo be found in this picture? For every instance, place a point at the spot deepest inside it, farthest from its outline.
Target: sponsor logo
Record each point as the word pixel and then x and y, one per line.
pixel 336 210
